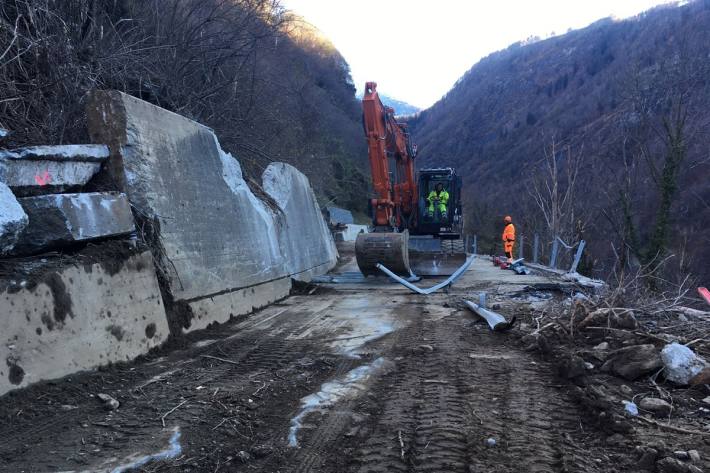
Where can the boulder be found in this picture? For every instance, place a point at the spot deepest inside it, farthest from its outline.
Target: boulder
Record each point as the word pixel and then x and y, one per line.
pixel 633 361
pixel 680 364
pixel 13 219
pixel 656 406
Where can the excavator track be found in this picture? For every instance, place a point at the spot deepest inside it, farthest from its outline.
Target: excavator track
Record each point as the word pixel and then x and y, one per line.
pixel 388 249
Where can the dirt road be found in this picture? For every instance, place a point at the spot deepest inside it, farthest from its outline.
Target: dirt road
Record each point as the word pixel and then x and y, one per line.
pixel 346 377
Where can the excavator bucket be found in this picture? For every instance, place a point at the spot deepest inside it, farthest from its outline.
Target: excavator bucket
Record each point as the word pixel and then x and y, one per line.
pixel 388 249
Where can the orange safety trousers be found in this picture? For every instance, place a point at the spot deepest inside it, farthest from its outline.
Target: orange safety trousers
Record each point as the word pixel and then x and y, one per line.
pixel 509 238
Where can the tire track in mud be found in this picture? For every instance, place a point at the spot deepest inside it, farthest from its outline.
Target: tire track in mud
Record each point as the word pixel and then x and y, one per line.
pixel 471 387
pixel 328 435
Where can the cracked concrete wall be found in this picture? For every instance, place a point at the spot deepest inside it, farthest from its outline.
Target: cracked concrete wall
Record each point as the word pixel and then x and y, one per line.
pixel 223 251
pixel 78 318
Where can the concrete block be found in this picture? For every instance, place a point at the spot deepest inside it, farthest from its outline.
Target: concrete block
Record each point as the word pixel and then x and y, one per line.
pixel 51 168
pixel 304 238
pixel 66 218
pixel 13 219
pixel 217 239
pixel 77 318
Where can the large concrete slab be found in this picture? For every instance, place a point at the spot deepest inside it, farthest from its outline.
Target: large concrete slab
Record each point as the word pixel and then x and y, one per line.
pixel 215 237
pixel 58 219
pixel 12 219
pixel 304 238
pixel 50 168
pixel 79 318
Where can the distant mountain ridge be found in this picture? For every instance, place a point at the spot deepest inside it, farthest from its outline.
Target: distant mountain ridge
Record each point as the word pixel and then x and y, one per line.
pixel 401 108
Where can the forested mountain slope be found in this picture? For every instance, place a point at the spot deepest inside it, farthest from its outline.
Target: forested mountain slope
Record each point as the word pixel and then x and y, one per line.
pixel 626 107
pixel 268 83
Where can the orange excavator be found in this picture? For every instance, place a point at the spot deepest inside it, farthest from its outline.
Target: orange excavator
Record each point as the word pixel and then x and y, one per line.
pixel 412 231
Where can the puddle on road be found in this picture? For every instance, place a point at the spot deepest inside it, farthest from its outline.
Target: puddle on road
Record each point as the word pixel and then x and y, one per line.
pixel 135 461
pixel 348 386
pixel 173 451
pixel 366 329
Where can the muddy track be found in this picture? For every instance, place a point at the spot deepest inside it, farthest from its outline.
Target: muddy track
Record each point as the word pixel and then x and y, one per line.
pixel 437 409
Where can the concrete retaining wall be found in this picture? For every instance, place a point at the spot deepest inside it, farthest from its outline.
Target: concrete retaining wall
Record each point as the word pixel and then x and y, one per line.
pixel 78 318
pixel 223 250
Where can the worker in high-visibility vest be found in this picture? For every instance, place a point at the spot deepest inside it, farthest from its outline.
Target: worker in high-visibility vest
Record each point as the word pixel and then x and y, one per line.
pixel 508 237
pixel 440 195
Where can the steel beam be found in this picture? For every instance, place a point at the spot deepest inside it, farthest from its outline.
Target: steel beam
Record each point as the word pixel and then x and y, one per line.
pixel 432 289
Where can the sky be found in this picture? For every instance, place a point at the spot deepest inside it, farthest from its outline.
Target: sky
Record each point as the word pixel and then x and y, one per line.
pixel 416 49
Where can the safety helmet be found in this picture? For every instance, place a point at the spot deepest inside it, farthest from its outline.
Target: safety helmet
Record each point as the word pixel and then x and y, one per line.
pixel 508 219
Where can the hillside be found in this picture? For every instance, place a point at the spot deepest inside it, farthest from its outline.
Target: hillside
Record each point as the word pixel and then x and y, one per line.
pixel 268 83
pixel 624 102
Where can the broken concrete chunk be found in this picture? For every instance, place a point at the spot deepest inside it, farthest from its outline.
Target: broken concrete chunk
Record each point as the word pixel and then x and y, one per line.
pixel 96 153
pixel 54 168
pixel 12 219
pixel 680 364
pixel 633 361
pixel 656 406
pixel 65 218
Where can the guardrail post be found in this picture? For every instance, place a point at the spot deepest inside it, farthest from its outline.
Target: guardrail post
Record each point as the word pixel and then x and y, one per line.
pixel 577 256
pixel 536 243
pixel 522 244
pixel 553 256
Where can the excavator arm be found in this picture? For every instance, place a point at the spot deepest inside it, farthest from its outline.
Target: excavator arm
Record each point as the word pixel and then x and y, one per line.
pixel 388 142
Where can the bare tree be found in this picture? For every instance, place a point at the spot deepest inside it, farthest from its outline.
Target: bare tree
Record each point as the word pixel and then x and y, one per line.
pixel 554 187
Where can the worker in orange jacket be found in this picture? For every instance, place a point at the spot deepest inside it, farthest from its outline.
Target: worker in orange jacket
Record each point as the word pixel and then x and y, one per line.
pixel 508 237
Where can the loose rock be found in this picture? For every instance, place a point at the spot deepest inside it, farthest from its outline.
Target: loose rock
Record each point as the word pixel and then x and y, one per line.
pixel 656 406
pixel 681 455
pixel 694 456
pixel 671 465
pixel 602 346
pixel 648 459
pixel 680 364
pixel 110 403
pixel 633 361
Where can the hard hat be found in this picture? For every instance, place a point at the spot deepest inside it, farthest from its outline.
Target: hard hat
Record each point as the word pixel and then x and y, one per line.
pixel 508 219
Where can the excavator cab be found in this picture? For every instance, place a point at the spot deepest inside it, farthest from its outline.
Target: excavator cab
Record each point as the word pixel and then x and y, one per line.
pixel 448 225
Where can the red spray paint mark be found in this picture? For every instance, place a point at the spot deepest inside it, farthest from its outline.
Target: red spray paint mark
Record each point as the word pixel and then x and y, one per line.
pixel 43 180
pixel 705 294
